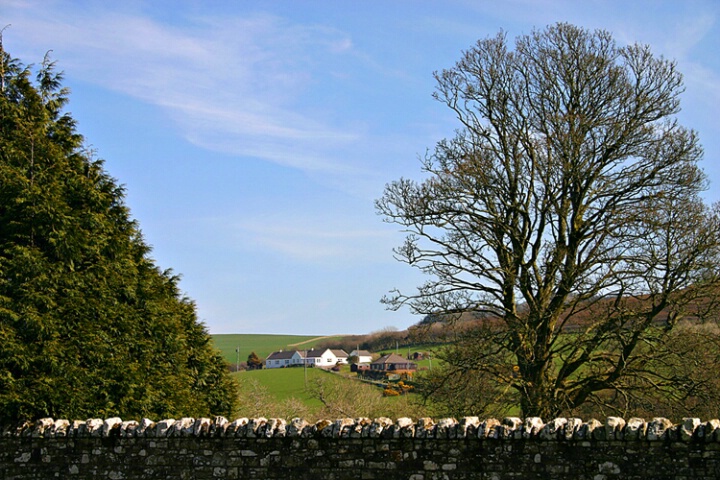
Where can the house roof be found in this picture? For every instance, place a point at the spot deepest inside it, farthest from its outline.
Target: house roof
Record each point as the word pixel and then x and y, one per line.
pixel 391 358
pixel 315 353
pixel 321 352
pixel 281 355
pixel 362 353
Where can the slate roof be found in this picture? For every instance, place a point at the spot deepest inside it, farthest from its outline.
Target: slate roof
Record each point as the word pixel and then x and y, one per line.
pixel 391 358
pixel 281 355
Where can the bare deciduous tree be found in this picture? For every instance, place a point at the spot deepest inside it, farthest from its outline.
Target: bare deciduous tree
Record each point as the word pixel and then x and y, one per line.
pixel 566 213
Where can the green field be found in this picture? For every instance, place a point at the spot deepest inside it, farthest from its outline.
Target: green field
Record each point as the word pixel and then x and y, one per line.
pixel 285 383
pixel 285 393
pixel 263 345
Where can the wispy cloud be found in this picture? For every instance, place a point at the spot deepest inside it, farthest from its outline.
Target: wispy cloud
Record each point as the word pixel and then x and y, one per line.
pixel 312 240
pixel 690 31
pixel 230 84
pixel 683 45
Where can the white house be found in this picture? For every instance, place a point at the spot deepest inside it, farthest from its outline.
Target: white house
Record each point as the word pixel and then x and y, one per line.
pixel 325 358
pixel 283 359
pixel 318 358
pixel 363 356
pixel 341 356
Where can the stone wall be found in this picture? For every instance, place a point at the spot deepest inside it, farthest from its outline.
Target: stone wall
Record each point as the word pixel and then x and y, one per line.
pixel 362 449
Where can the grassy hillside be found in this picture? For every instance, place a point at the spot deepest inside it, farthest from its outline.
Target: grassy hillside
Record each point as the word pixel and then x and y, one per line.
pixel 263 345
pixel 284 393
pixel 285 383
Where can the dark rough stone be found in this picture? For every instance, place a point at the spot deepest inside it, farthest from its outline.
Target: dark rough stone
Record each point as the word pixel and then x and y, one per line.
pixel 362 449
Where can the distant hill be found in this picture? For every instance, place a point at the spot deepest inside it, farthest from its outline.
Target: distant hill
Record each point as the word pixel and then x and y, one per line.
pixel 263 344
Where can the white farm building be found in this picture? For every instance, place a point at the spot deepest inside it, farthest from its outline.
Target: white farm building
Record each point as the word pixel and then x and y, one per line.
pixel 318 358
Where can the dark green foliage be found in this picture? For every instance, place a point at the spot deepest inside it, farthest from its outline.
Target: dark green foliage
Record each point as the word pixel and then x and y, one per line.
pixel 89 326
pixel 254 362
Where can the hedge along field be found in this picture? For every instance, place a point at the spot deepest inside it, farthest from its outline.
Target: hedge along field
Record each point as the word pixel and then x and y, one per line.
pixel 263 345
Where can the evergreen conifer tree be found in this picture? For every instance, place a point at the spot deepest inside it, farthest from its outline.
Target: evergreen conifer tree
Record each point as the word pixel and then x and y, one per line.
pixel 89 325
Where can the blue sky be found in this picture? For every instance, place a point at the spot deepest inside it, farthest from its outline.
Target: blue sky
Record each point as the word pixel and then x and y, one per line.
pixel 253 136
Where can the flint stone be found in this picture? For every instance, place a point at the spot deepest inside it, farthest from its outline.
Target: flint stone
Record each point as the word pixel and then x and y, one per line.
pixel 279 427
pixel 489 429
pixel 267 429
pixel 512 427
pixel 75 427
pixel 324 428
pixel 424 427
pixel 635 429
pixel 445 428
pixel 688 427
pixel 41 426
pixel 361 428
pixel 404 428
pixel 236 427
pixel 553 429
pixel 182 428
pixel 532 427
pixel 571 427
pixel 658 429
pixel 218 426
pixel 308 431
pixel 201 427
pixel 60 429
pixel 162 428
pixel 295 428
pixel 673 433
pixel 128 428
pixel 25 429
pixel 342 427
pixel 243 428
pixel 699 433
pixel 255 427
pixel 111 426
pixel 712 430
pixel 146 426
pixel 614 428
pixel 366 429
pixel 379 426
pixel 94 426
pixel 587 430
pixel 468 426
pixel 600 433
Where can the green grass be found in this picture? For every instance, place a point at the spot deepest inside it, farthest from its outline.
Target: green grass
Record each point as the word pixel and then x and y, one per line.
pixel 281 384
pixel 284 383
pixel 263 345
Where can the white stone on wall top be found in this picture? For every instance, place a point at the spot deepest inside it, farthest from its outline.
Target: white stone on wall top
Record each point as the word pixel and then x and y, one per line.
pixel 508 429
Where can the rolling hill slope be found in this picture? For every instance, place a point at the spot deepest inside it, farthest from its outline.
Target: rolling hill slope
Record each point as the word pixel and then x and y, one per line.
pixel 261 344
